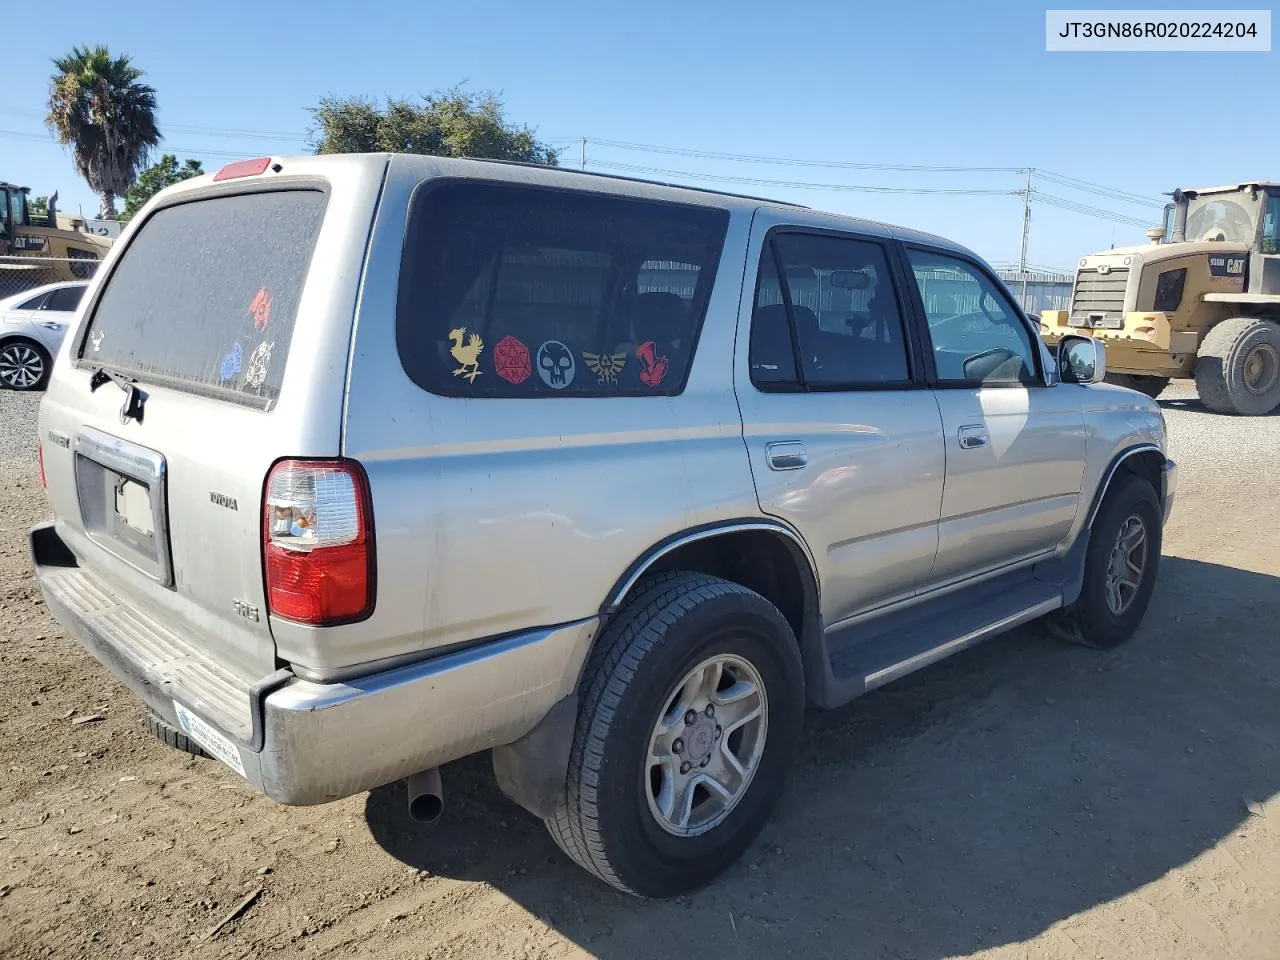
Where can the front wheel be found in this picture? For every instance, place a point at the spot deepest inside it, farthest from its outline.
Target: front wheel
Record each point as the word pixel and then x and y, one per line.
pixel 690 718
pixel 1152 386
pixel 1238 367
pixel 1121 563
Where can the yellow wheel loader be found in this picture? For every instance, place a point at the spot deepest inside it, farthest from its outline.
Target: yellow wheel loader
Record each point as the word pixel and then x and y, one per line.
pixel 1202 300
pixel 34 252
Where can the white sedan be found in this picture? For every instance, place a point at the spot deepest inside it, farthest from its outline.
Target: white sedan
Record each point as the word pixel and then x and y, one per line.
pixel 32 325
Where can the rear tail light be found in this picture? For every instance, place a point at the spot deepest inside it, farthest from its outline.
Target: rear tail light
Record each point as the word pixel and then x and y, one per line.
pixel 40 460
pixel 317 542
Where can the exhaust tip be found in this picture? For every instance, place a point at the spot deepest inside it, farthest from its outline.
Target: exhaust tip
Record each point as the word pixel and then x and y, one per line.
pixel 426 796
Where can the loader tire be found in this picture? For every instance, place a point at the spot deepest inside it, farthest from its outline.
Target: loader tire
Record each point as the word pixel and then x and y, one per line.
pixel 1238 367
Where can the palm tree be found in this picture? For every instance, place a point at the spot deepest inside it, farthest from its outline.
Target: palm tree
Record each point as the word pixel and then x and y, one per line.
pixel 98 107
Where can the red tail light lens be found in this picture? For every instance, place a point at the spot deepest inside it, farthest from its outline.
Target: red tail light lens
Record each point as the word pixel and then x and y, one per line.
pixel 317 542
pixel 40 460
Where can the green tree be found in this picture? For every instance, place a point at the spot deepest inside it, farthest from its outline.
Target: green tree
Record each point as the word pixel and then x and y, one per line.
pixel 155 178
pixel 99 108
pixel 449 123
pixel 38 208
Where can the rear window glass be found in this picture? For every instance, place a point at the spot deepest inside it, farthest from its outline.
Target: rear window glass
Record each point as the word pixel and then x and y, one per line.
pixel 511 291
pixel 205 296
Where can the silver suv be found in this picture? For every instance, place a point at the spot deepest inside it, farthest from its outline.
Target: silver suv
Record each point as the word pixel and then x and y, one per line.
pixel 361 464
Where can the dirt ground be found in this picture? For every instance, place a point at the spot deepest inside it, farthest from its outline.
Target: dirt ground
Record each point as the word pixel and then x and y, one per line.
pixel 1024 799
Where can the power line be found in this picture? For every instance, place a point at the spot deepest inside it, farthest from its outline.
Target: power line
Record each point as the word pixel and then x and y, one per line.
pixel 1097 189
pixel 168 148
pixel 799 184
pixel 791 162
pixel 1074 207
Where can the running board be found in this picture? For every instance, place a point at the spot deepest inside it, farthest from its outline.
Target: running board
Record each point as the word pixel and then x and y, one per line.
pixel 871 653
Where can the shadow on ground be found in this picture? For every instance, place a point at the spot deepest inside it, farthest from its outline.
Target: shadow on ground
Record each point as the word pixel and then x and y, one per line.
pixel 971 805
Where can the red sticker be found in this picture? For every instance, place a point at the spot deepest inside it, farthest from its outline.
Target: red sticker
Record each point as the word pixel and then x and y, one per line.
pixel 511 360
pixel 260 309
pixel 654 366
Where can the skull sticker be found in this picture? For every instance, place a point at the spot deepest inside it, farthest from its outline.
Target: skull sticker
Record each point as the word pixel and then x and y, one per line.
pixel 556 365
pixel 255 371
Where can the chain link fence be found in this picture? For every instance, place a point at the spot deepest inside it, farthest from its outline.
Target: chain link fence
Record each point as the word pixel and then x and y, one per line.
pixel 19 274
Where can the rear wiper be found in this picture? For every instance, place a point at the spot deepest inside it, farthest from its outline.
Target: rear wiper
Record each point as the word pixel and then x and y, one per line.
pixel 102 375
pixel 135 400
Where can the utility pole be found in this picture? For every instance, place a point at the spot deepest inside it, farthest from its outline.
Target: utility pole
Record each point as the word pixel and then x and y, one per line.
pixel 584 153
pixel 1026 234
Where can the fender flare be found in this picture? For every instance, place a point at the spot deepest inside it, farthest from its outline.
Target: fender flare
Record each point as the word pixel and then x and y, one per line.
pixel 1101 493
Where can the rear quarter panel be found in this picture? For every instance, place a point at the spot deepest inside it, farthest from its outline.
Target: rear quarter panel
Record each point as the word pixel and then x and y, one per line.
pixel 497 515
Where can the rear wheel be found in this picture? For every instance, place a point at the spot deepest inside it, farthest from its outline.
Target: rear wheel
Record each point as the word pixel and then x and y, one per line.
pixel 1121 563
pixel 1150 385
pixel 690 718
pixel 24 365
pixel 1238 367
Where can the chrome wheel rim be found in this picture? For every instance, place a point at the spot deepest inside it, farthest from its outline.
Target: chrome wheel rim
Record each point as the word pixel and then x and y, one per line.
pixel 1261 368
pixel 1127 564
pixel 21 366
pixel 706 745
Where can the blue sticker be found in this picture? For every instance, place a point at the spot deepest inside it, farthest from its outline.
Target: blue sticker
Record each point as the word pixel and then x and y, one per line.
pixel 232 362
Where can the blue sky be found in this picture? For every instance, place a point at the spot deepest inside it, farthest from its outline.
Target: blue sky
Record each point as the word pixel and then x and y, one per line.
pixel 942 84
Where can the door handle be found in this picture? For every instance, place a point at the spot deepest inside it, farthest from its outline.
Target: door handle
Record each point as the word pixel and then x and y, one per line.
pixel 973 436
pixel 786 455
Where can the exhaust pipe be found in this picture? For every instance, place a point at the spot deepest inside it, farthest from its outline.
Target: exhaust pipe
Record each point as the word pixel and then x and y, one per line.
pixel 426 796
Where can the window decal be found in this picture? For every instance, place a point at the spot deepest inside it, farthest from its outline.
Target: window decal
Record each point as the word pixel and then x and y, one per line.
pixel 466 350
pixel 606 366
pixel 654 366
pixel 511 360
pixel 556 365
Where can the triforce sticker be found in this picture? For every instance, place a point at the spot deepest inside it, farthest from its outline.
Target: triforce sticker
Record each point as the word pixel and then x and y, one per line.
pixel 606 366
pixel 466 349
pixel 653 366
pixel 511 360
pixel 255 371
pixel 260 309
pixel 556 365
pixel 232 362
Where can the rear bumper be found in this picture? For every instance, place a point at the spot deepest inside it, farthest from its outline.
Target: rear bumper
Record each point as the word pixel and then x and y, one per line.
pixel 305 742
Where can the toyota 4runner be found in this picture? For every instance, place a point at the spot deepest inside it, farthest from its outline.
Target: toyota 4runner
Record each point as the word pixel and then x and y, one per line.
pixel 361 464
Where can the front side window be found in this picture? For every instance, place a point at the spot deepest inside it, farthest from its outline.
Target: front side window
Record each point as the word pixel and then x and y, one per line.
pixel 833 309
pixel 510 291
pixel 976 332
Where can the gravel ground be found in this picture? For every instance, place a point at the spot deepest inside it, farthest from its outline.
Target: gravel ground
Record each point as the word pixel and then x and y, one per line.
pixel 1023 799
pixel 18 412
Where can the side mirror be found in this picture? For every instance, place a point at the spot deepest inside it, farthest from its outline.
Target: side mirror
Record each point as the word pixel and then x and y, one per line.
pixel 1081 359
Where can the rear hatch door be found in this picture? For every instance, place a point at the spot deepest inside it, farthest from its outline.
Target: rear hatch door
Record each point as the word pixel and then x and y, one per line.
pixel 216 344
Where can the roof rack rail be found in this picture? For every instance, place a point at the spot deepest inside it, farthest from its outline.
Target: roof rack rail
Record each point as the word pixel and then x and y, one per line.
pixel 656 183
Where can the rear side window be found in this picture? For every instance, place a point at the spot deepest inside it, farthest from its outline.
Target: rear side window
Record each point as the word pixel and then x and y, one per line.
pixel 511 291
pixel 834 310
pixel 66 298
pixel 206 294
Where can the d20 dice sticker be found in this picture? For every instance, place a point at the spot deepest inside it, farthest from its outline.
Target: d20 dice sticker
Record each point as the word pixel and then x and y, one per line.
pixel 260 309
pixel 511 360
pixel 232 362
pixel 653 365
pixel 255 371
pixel 606 366
pixel 556 365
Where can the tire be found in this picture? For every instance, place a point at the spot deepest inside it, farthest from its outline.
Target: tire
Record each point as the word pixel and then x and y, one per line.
pixel 608 820
pixel 171 737
pixel 24 365
pixel 1152 386
pixel 1238 367
pixel 1092 620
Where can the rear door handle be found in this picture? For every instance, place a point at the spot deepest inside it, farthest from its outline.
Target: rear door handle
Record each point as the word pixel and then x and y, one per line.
pixel 786 455
pixel 973 436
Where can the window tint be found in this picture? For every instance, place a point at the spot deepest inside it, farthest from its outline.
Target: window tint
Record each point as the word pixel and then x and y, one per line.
pixel 206 294
pixel 35 303
pixel 976 332
pixel 67 298
pixel 510 291
pixel 838 298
